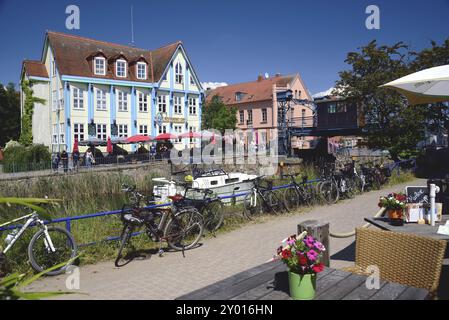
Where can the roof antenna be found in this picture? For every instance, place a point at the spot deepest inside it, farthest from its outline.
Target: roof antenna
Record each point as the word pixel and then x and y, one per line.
pixel 132 28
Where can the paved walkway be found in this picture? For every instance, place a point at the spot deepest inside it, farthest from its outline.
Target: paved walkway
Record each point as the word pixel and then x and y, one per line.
pixel 227 254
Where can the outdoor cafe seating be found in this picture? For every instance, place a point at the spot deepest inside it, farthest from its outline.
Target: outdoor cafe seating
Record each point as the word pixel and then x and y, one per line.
pixel 401 258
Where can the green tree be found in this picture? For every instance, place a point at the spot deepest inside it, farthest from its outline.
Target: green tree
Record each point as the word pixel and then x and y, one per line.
pixel 391 124
pixel 26 135
pixel 10 113
pixel 216 115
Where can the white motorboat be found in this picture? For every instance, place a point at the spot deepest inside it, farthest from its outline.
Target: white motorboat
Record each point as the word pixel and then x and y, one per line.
pixel 219 181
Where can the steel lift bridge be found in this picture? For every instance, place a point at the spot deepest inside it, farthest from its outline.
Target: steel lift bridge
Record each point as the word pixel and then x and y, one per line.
pixel 289 126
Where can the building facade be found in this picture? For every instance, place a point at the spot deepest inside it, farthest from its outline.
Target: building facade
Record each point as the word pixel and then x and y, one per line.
pixel 257 106
pixel 97 89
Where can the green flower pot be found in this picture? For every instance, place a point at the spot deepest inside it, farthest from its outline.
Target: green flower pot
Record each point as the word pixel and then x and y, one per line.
pixel 302 287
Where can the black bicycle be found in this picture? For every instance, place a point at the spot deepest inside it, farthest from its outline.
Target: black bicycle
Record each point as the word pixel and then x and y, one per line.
pixel 262 199
pixel 298 193
pixel 211 207
pixel 180 226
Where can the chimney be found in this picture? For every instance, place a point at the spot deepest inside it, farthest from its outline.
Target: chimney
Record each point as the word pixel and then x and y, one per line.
pixel 259 77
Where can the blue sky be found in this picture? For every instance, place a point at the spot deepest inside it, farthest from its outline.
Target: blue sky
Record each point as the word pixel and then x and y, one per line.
pixel 229 40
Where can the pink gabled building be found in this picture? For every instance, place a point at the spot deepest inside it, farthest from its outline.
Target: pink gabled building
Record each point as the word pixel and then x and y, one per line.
pixel 257 106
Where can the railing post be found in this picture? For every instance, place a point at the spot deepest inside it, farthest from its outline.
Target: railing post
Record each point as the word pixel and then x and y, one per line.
pixel 320 231
pixel 68 226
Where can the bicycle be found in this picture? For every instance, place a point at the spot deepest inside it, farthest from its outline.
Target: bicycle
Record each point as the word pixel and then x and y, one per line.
pixel 328 188
pixel 298 193
pixel 210 207
pixel 262 199
pixel 49 247
pixel 180 227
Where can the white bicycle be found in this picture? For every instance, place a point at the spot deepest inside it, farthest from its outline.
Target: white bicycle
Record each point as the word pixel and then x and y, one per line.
pixel 49 247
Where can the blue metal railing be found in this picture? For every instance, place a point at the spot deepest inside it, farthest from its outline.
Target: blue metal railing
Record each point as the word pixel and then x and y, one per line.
pixel 68 220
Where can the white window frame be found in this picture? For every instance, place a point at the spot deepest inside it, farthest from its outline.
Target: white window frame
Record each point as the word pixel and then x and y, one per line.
pixel 264 112
pixel 178 130
pixel 250 116
pixel 103 132
pixel 162 129
pixel 162 103
pixel 143 129
pixel 78 98
pixel 97 71
pixel 55 134
pixel 144 71
pixel 123 131
pixel 192 107
pixel 177 105
pixel 241 117
pixel 117 62
pixel 100 99
pixel 61 133
pixel 142 100
pixel 122 101
pixel 179 76
pixel 192 129
pixel 54 105
pixel 78 131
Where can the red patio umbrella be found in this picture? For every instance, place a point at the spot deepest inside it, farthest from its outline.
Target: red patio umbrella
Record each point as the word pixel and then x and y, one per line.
pixel 138 138
pixel 75 146
pixel 190 135
pixel 166 136
pixel 109 148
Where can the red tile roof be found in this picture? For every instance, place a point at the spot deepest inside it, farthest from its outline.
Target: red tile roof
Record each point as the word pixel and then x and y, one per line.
pixel 34 68
pixel 258 90
pixel 74 56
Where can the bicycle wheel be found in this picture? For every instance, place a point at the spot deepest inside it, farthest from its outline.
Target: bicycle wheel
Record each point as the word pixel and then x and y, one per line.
pixel 306 195
pixel 124 239
pixel 213 214
pixel 274 203
pixel 41 256
pixel 184 230
pixel 252 205
pixel 329 192
pixel 291 198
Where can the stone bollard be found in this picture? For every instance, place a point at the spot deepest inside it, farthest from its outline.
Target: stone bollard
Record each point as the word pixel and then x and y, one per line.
pixel 320 231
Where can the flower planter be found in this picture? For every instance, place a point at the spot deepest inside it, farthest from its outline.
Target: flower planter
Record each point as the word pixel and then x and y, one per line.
pixel 396 217
pixel 302 287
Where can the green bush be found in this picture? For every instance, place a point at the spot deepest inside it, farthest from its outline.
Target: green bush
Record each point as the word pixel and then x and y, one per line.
pixel 20 158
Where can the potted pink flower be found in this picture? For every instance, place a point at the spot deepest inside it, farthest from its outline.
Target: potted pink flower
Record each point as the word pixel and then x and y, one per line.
pixel 302 256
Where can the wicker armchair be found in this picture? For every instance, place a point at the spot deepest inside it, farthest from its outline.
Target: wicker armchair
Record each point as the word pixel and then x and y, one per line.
pixel 402 258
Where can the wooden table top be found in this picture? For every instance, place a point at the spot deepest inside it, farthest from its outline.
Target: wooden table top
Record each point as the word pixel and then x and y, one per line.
pixel 270 282
pixel 413 228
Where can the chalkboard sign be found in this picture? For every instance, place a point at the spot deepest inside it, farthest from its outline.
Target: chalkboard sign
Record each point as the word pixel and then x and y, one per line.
pixel 417 194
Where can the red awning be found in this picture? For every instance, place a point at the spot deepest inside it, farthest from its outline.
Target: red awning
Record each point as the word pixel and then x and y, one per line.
pixel 166 136
pixel 190 135
pixel 138 138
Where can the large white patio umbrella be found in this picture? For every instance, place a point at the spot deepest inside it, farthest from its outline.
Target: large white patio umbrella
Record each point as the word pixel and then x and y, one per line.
pixel 426 86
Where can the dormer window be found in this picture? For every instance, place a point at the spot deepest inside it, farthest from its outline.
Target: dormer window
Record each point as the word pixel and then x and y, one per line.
pixel 141 70
pixel 239 96
pixel 121 68
pixel 178 73
pixel 100 66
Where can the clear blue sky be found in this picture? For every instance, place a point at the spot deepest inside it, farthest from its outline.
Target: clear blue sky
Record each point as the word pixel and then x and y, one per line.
pixel 229 40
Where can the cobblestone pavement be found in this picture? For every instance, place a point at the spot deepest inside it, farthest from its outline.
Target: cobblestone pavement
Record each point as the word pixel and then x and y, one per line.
pixel 218 258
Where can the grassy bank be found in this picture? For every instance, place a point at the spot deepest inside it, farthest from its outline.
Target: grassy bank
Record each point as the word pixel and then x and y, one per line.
pixel 96 192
